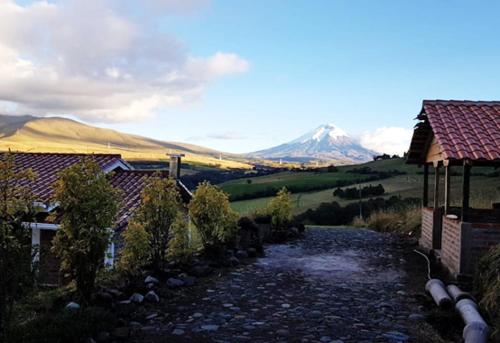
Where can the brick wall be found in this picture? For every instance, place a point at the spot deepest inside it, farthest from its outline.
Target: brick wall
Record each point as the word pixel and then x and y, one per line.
pixel 427 224
pixel 451 244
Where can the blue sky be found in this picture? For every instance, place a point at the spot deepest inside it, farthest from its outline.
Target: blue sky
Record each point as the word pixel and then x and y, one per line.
pixel 363 65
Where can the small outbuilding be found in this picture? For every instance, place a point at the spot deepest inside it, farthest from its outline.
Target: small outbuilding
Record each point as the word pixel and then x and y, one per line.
pixel 123 176
pixel 456 136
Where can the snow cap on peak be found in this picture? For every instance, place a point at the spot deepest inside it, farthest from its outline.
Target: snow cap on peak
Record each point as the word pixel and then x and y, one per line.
pixel 332 130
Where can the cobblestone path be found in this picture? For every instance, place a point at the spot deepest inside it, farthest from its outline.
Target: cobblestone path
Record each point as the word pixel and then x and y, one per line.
pixel 336 285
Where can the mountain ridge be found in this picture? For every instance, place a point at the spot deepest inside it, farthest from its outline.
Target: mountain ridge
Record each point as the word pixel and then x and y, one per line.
pixel 58 134
pixel 327 143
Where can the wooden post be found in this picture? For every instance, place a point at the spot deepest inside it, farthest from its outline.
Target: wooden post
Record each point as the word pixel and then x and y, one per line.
pixel 436 185
pixel 447 186
pixel 465 189
pixel 425 196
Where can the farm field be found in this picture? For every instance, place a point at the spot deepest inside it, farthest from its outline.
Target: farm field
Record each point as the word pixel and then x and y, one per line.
pixel 484 190
pixel 255 187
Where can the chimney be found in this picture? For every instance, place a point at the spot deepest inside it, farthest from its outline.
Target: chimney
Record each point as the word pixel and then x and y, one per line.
pixel 175 165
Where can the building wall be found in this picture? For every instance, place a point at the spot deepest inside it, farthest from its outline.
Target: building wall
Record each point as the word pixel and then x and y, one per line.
pixel 49 265
pixel 430 237
pixel 427 225
pixel 464 243
pixel 451 244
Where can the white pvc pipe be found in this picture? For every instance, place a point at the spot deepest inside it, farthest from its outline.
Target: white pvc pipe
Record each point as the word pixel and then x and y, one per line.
pixel 457 294
pixel 476 330
pixel 438 292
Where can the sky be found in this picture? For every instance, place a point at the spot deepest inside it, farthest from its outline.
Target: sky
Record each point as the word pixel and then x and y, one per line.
pixel 240 76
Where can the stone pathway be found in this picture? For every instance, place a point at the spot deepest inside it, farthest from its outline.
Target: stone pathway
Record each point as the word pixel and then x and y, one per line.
pixel 336 285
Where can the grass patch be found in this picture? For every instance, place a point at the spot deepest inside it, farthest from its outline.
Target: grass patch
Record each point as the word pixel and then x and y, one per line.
pixel 403 221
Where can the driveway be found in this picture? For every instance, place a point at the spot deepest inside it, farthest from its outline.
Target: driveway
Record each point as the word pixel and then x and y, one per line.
pixel 335 285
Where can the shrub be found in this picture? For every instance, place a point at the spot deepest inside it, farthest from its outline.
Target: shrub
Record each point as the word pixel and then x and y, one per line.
pixel 179 248
pixel 160 204
pixel 248 235
pixel 280 210
pixel 15 267
pixel 213 217
pixel 334 214
pixel 354 192
pixel 135 253
pixel 487 287
pixel 405 221
pixel 89 205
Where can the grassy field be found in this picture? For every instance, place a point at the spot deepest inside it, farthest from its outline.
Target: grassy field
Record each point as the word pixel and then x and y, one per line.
pixel 316 181
pixel 292 180
pixel 484 190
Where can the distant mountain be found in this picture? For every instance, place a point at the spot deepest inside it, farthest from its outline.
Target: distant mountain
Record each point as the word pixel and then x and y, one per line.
pixel 56 134
pixel 326 143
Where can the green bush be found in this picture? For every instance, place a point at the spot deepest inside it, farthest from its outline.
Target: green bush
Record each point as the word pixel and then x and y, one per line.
pixel 160 204
pixel 280 210
pixel 88 204
pixel 179 247
pixel 487 287
pixel 214 219
pixel 135 254
pixel 16 277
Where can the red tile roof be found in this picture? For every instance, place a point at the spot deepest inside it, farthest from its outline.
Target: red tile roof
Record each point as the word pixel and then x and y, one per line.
pixel 463 129
pixel 48 165
pixel 131 182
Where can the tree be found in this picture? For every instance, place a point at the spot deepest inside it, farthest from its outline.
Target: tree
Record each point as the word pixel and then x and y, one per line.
pixel 16 206
pixel 136 253
pixel 89 205
pixel 280 209
pixel 212 215
pixel 160 203
pixel 178 244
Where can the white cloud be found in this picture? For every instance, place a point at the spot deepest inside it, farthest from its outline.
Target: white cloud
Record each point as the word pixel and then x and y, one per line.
pixel 177 5
pixel 83 58
pixel 221 136
pixel 390 140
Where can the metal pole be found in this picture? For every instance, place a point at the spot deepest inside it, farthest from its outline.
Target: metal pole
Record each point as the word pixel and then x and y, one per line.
pixel 360 203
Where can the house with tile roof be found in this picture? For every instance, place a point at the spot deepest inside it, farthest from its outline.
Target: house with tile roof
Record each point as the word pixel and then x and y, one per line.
pixel 122 176
pixel 456 136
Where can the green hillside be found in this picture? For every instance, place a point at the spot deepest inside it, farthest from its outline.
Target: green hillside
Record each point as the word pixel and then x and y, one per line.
pixel 54 134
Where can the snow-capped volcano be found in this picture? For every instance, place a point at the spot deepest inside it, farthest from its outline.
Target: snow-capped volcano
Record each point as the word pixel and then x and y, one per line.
pixel 329 131
pixel 327 143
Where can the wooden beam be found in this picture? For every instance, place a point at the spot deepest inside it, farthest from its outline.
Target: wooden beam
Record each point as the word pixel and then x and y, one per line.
pixel 436 186
pixel 465 190
pixel 425 196
pixel 447 186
